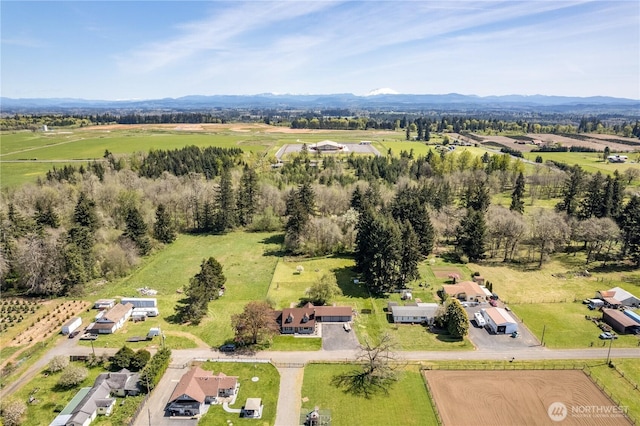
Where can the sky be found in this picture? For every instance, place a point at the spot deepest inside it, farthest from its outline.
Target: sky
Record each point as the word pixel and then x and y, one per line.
pixel 118 50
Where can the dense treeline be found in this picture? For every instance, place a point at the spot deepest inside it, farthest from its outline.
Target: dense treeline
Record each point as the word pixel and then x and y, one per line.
pixel 391 211
pixel 209 161
pixel 340 119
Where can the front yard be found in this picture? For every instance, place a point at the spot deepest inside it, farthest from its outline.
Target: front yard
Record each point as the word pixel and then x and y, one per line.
pixel 407 402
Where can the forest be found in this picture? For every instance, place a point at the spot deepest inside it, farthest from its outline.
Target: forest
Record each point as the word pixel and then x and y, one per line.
pixel 389 212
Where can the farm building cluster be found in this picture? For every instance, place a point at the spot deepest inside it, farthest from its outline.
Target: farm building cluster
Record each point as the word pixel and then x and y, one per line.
pixel 112 316
pixel 619 309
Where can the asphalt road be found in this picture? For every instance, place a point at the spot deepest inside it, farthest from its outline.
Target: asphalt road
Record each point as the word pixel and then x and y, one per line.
pixel 289 401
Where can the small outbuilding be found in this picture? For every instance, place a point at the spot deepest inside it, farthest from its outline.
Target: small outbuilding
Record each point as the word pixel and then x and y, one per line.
pixel 104 304
pixel 499 321
pixel 252 408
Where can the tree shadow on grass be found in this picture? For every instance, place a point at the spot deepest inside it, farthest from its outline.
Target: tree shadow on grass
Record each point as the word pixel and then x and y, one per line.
pixel 275 239
pixel 345 277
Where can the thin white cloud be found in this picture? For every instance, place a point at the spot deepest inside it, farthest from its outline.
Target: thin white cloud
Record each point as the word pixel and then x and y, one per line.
pixel 218 32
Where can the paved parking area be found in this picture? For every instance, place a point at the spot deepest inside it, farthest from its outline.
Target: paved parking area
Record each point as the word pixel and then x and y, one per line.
pixel 349 148
pixel 153 411
pixel 335 338
pixel 483 339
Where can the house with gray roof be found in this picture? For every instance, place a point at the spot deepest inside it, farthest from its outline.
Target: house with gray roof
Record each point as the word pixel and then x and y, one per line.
pixel 414 313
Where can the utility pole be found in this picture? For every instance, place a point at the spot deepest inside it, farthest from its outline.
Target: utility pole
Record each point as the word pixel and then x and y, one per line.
pixel 609 353
pixel 544 327
pixel 92 349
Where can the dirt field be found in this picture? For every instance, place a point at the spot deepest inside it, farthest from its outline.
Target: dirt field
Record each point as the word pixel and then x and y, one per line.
pixel 520 397
pixel 206 127
pixel 442 272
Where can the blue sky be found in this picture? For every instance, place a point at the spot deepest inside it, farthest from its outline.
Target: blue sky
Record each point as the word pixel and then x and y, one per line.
pixel 156 49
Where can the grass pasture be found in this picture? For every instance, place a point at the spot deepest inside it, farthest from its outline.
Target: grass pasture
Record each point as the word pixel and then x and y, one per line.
pixel 407 402
pixel 248 263
pixel 267 388
pixel 590 161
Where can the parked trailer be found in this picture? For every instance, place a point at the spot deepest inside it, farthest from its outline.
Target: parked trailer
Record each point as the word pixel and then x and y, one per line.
pixel 72 325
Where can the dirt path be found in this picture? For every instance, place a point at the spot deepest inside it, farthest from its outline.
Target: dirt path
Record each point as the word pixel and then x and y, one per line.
pixel 201 343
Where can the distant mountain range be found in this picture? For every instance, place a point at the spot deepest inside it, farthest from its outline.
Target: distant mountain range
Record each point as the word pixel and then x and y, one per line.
pixel 379 99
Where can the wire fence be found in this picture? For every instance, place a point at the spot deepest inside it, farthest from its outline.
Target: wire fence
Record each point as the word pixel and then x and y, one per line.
pixel 432 401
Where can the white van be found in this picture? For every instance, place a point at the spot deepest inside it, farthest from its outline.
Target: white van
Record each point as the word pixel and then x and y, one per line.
pixel 479 319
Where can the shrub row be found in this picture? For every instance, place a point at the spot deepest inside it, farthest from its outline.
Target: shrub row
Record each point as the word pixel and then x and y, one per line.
pixel 155 368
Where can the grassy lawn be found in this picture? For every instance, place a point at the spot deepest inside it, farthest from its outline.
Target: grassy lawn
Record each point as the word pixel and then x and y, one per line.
pixel 292 343
pixel 407 399
pixel 248 263
pixel 267 387
pixel 552 283
pixel 566 326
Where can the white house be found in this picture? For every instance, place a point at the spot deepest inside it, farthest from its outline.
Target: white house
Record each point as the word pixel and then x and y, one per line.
pixel 71 325
pixel 113 319
pixel 499 320
pixel 417 313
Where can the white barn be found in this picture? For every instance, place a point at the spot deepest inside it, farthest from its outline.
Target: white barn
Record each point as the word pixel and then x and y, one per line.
pixel 499 320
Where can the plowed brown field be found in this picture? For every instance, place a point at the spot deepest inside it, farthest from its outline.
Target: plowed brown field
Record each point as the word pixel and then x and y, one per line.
pixel 520 397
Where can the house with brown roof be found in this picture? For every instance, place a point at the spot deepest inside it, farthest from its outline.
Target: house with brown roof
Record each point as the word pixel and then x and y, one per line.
pixel 468 291
pixel 113 319
pixel 305 320
pixel 197 389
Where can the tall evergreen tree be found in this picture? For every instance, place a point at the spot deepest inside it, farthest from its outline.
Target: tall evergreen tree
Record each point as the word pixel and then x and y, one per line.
pixel 85 214
pixel 203 287
pixel 571 191
pixel 593 203
pixel 163 229
pixel 517 203
pixel 136 230
pixel 226 217
pixel 409 255
pixel 629 222
pixel 476 195
pixel 378 252
pixel 407 206
pixel 457 319
pixel 247 196
pixel 472 235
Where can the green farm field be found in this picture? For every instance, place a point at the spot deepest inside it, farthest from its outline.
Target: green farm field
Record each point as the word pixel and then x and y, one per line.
pixel 590 161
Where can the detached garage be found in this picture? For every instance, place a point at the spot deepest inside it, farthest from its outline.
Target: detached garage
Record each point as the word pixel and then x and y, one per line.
pixel 619 321
pixel 499 321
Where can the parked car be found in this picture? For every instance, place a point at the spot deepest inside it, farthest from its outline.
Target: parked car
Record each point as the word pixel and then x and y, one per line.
pixel 229 347
pixel 493 302
pixel 515 334
pixel 73 334
pixel 608 336
pixel 88 336
pixel 346 326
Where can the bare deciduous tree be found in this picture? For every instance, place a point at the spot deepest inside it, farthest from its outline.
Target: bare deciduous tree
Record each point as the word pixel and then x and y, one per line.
pixel 378 370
